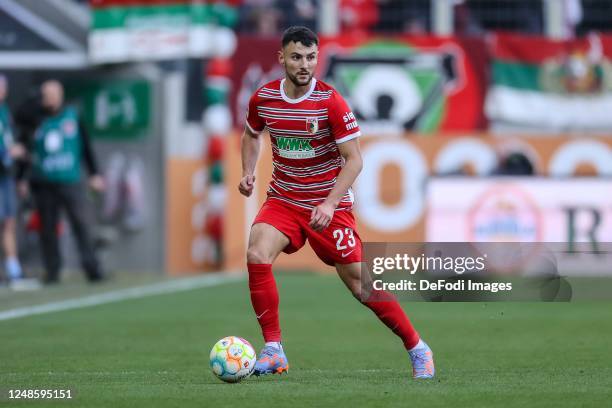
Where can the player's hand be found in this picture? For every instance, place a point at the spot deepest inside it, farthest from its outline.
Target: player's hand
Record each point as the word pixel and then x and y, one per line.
pixel 246 185
pixel 17 151
pixel 96 182
pixel 321 216
pixel 23 189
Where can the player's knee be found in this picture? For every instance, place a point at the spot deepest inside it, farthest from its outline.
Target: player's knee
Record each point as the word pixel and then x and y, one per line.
pixel 256 255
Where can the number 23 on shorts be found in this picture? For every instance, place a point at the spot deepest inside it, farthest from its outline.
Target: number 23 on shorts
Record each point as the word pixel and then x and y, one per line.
pixel 344 238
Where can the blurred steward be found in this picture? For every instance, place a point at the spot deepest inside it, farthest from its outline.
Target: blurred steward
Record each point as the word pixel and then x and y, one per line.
pixel 57 145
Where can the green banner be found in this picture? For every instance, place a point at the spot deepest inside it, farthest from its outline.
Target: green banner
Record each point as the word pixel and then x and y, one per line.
pixel 164 15
pixel 163 30
pixel 115 109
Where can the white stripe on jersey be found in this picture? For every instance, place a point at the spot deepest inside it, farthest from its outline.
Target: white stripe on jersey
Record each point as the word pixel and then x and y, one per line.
pixel 270 90
pixel 308 186
pixel 299 133
pixel 303 132
pixel 293 202
pixel 309 171
pixel 318 98
pixel 309 174
pixel 321 150
pixel 345 199
pixel 271 97
pixel 314 167
pixel 306 206
pixel 286 117
pixel 296 111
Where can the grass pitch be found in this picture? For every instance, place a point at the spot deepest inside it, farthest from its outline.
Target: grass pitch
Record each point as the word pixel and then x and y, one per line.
pixel 153 352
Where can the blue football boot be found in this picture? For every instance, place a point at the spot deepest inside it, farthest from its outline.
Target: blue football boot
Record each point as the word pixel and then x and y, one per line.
pixel 271 360
pixel 422 362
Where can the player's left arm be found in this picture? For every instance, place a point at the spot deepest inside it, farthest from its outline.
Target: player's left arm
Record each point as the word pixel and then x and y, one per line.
pixel 322 214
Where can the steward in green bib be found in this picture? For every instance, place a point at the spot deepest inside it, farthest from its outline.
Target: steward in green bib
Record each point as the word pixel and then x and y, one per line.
pixel 58 147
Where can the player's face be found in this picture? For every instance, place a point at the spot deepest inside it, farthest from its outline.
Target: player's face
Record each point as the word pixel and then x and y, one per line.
pixel 299 62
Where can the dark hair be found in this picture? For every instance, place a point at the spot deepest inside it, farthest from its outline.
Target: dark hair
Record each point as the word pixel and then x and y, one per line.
pixel 300 34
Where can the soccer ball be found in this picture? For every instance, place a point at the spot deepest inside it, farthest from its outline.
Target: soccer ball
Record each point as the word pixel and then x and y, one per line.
pixel 232 359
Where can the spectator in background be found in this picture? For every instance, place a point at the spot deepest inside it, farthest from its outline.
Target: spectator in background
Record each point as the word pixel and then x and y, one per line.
pixel 572 15
pixel 58 143
pixel 589 16
pixel 514 161
pixel 299 12
pixel 526 16
pixel 9 151
pixel 465 23
pixel 261 17
pixel 399 16
pixel 358 17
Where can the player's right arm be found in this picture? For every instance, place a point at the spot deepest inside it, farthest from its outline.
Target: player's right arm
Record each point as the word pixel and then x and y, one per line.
pixel 250 145
pixel 249 148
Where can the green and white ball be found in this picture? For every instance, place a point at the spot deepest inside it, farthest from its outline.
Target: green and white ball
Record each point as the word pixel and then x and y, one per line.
pixel 232 359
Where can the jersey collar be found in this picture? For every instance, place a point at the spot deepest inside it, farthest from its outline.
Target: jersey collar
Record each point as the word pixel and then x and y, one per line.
pixel 287 99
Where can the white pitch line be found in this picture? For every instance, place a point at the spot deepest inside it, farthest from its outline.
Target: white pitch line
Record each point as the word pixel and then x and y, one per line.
pixel 179 285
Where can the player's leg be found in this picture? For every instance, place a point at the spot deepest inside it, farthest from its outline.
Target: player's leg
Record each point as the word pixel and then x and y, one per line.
pixel 265 244
pixel 340 245
pixel 383 304
pixel 389 311
pixel 276 228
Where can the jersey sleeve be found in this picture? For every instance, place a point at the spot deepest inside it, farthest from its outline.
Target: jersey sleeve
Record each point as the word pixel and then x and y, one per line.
pixel 342 121
pixel 253 121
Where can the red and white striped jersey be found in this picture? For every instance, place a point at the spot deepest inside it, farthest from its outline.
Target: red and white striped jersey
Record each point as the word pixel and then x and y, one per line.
pixel 304 135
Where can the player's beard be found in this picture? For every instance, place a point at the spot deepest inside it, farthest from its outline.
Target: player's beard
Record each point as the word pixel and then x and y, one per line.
pixel 296 81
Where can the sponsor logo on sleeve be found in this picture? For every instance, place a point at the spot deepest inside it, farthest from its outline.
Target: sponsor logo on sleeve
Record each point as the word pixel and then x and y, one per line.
pixel 349 120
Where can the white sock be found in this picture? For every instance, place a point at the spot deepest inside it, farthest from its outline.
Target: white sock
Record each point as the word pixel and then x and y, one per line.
pixel 275 344
pixel 13 268
pixel 419 345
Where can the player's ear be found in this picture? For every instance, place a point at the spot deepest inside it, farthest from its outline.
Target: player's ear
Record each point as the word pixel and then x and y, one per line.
pixel 281 57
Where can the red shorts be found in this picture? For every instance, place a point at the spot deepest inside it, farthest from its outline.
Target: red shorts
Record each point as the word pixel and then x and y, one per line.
pixel 339 243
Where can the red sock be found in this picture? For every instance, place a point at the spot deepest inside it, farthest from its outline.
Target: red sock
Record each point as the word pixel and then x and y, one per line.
pixel 264 297
pixel 389 311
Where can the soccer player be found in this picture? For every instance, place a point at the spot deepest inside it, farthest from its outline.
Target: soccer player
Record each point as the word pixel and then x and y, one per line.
pixel 316 158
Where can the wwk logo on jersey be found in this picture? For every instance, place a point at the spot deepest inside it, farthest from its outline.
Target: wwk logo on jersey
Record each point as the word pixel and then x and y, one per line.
pixel 295 148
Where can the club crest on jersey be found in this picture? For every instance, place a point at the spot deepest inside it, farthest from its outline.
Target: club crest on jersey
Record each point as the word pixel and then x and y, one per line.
pixel 312 125
pixel 69 127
